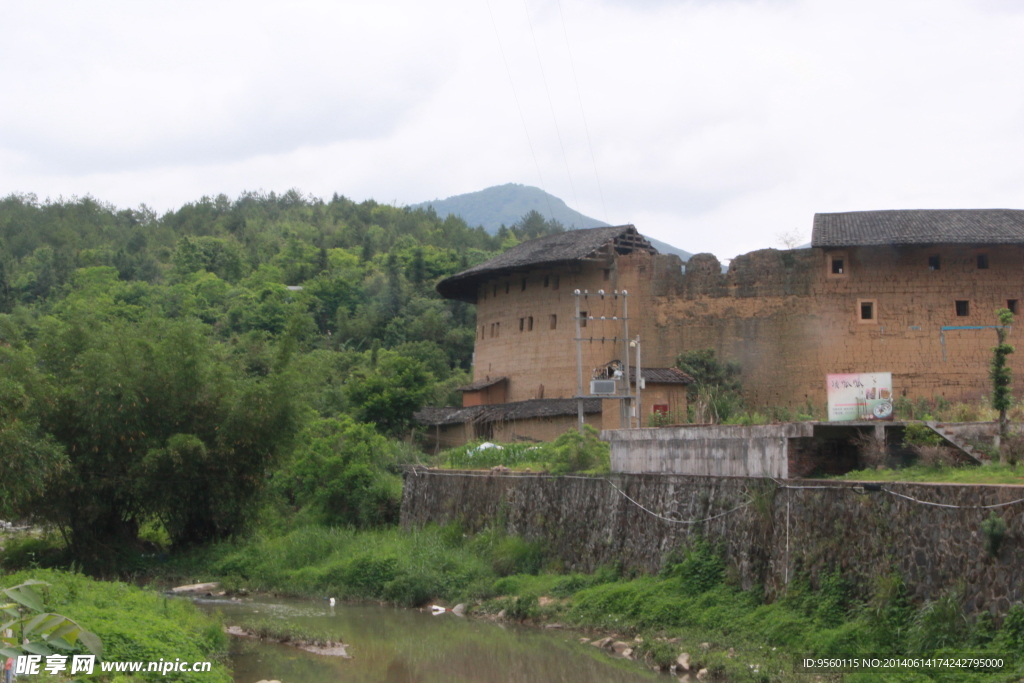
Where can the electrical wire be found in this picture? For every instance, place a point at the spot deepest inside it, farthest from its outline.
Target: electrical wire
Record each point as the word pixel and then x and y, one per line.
pixel 539 475
pixel 579 98
pixel 551 105
pixel 519 107
pixel 906 497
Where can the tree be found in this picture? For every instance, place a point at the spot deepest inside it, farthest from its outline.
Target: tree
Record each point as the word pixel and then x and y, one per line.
pixel 1001 374
pixel 390 393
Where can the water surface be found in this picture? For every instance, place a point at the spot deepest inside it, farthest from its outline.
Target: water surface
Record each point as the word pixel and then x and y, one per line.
pixel 393 645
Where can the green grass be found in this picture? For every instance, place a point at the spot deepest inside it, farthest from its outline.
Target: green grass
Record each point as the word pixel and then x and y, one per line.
pixel 134 624
pixel 404 568
pixel 985 474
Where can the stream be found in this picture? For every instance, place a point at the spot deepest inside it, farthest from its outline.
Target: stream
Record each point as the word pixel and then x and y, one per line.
pixel 393 645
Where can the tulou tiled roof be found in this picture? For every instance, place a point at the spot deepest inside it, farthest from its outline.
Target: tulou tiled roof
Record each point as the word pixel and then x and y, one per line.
pixel 506 412
pixel 661 376
pixel 482 384
pixel 565 247
pixel 920 226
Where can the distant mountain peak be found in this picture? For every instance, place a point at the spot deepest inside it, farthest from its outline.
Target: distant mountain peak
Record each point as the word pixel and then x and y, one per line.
pixel 506 204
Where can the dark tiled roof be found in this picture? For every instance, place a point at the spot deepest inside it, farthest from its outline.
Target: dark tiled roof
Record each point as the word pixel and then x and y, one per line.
pixel 482 384
pixel 565 247
pixel 505 412
pixel 661 376
pixel 922 226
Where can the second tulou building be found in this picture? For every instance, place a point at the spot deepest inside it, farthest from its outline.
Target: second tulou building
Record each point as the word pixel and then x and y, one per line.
pixel 913 293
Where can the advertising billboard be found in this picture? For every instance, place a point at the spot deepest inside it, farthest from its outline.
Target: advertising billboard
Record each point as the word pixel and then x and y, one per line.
pixel 859 396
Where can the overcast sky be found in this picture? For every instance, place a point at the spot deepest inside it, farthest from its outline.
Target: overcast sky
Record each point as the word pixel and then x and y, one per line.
pixel 713 125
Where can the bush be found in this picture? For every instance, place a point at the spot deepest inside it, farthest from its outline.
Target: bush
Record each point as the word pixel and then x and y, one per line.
pixel 920 434
pixel 576 452
pixel 699 568
pixel 940 623
pixel 994 531
pixel 479 455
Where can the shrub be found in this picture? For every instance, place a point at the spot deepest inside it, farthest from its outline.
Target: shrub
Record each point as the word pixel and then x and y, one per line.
pixel 514 555
pixel 699 568
pixel 576 452
pixel 994 531
pixel 920 434
pixel 940 623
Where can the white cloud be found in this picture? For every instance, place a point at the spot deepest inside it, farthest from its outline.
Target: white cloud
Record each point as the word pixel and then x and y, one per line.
pixel 715 125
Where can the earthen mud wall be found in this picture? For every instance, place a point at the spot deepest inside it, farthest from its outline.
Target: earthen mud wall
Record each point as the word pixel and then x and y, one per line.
pixel 770 535
pixel 789 321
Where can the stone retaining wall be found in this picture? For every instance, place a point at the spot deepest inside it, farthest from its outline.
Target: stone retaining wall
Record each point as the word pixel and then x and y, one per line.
pixel 768 533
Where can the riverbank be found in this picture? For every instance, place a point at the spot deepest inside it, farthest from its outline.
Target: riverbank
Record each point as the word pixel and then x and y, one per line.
pixel 134 624
pixel 694 606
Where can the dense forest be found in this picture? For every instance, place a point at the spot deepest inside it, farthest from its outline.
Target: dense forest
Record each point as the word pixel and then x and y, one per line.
pixel 227 360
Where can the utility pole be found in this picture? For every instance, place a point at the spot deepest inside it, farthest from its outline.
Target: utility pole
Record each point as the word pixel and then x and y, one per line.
pixel 579 365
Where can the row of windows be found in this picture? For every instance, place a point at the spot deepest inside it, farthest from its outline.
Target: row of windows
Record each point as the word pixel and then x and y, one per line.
pixel 869 308
pixel 839 265
pixel 525 325
pixel 550 281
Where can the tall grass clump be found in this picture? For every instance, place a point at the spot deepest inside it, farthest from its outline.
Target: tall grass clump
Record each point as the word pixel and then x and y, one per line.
pixel 571 452
pixel 407 568
pixel 479 455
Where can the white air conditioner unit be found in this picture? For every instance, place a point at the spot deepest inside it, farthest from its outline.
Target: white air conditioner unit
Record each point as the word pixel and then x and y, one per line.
pixel 602 386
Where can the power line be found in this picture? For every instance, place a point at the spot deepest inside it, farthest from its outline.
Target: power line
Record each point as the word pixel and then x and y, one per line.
pixel 551 105
pixel 519 107
pixel 579 98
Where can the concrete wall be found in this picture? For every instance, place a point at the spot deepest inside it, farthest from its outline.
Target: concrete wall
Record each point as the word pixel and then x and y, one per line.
pixel 768 534
pixel 718 450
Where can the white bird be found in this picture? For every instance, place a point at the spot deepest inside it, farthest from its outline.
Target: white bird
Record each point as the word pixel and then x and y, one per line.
pixel 332 602
pixel 437 609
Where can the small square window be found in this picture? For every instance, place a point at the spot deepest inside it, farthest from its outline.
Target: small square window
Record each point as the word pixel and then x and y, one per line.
pixel 554 282
pixel 982 261
pixel 522 324
pixel 554 321
pixel 481 331
pixel 934 262
pixel 524 284
pixel 837 266
pixel 607 273
pixel 497 329
pixel 495 293
pixel 963 308
pixel 867 310
pixel 583 318
pixel 529 324
pixel 547 280
pixel 1011 305
pixel 506 288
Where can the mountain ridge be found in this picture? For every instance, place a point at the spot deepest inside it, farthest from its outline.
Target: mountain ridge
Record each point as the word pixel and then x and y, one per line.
pixel 506 204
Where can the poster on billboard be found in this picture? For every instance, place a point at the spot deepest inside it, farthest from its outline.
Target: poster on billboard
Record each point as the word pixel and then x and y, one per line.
pixel 859 396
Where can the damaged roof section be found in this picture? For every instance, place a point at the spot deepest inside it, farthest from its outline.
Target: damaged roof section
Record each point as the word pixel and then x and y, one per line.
pixel 506 412
pixel 565 247
pixel 482 384
pixel 661 376
pixel 921 226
